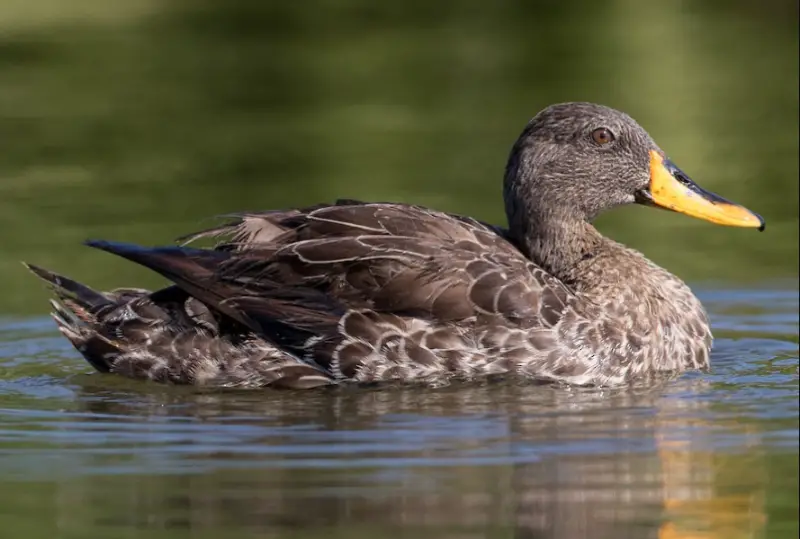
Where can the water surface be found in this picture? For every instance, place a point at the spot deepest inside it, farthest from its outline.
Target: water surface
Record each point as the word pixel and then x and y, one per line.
pixel 707 455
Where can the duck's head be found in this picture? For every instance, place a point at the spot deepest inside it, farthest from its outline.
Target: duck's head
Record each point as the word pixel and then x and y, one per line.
pixel 575 160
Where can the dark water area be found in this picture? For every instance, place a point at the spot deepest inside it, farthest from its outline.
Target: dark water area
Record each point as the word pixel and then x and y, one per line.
pixel 139 120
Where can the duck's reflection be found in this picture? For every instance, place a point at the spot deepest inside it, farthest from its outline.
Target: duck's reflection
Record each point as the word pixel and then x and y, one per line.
pixel 469 461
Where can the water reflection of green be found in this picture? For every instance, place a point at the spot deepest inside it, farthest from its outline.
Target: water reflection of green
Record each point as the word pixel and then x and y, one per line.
pixel 140 121
pixel 182 464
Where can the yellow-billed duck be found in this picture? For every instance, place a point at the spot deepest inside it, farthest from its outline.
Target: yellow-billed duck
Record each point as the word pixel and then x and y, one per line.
pixel 363 292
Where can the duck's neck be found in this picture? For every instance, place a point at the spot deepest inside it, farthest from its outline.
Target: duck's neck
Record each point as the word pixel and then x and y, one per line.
pixel 550 231
pixel 597 267
pixel 562 246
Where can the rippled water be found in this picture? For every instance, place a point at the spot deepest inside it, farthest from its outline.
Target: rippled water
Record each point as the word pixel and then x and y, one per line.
pixel 713 455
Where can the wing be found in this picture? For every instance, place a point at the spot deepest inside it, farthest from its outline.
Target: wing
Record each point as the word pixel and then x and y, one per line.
pixel 393 258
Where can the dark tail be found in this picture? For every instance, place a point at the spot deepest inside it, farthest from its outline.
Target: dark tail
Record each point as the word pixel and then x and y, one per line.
pixel 280 314
pixel 193 270
pixel 76 317
pixel 68 290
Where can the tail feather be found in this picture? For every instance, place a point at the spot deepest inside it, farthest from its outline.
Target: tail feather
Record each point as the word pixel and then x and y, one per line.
pixel 193 270
pixel 65 316
pixel 281 315
pixel 136 334
pixel 98 350
pixel 75 313
pixel 67 289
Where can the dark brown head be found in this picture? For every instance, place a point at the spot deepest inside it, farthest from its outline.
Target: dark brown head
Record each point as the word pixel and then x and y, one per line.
pixel 575 160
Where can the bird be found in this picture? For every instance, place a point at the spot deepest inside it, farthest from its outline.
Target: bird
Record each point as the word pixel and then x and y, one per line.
pixel 355 292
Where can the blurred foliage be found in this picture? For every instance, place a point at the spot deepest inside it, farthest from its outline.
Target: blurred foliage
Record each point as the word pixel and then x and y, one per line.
pixel 138 120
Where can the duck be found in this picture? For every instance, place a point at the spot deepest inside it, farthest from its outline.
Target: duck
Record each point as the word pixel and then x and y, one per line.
pixel 358 292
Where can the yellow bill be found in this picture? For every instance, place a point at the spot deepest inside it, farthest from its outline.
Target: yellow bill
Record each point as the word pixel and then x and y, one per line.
pixel 671 189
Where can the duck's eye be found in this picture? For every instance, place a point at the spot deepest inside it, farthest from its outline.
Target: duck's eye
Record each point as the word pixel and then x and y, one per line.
pixel 602 136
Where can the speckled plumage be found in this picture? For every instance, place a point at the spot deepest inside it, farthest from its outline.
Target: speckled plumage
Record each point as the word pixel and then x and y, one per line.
pixel 378 292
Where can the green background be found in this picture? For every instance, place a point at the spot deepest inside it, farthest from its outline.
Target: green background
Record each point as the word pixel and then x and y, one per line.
pixel 139 120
